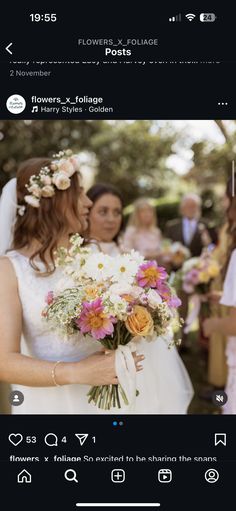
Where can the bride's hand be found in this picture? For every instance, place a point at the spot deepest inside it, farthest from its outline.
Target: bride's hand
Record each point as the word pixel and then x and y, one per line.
pixel 137 358
pixel 99 369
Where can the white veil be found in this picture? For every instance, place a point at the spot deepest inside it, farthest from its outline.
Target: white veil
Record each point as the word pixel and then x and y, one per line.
pixel 8 215
pixel 8 211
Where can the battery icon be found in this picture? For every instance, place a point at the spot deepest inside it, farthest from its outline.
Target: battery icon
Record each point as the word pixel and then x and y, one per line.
pixel 207 16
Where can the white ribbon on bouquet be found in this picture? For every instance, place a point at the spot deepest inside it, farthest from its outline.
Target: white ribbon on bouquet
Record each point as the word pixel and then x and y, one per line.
pixel 126 371
pixel 196 301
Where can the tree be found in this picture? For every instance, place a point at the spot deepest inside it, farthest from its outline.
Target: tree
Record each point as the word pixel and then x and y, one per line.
pixel 133 156
pixel 130 154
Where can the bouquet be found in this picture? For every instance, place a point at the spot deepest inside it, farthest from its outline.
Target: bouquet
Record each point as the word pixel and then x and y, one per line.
pixel 114 300
pixel 197 273
pixel 174 253
pixel 195 279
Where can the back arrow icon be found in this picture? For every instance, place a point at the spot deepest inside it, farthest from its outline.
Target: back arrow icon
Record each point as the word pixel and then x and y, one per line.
pixel 8 48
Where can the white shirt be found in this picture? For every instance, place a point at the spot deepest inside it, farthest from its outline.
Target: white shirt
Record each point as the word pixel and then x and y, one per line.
pixel 189 229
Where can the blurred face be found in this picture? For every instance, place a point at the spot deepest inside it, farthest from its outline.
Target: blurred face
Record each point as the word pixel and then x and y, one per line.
pixel 190 209
pixel 84 205
pixel 225 202
pixel 146 216
pixel 105 218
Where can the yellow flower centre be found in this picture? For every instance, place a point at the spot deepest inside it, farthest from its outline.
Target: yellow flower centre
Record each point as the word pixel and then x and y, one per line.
pixel 96 321
pixel 151 273
pixel 100 266
pixel 122 269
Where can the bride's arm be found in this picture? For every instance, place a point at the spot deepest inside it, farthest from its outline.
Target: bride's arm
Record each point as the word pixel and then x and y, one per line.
pixel 98 369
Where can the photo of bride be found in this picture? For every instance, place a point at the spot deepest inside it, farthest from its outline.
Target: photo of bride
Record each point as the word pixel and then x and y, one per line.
pixel 95 291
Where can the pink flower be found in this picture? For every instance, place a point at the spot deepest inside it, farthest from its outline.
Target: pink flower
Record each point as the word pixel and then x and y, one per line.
pixel 93 320
pixel 174 301
pixel 164 291
pixel 75 163
pixel 49 298
pixel 150 274
pixel 192 277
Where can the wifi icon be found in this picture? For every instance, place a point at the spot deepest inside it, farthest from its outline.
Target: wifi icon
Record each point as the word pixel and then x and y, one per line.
pixel 190 17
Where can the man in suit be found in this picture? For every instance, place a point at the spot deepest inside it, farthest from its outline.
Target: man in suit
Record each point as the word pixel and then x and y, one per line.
pixel 193 234
pixel 189 229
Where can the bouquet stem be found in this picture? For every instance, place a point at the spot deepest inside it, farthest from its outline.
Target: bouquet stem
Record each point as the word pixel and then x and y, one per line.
pixel 107 396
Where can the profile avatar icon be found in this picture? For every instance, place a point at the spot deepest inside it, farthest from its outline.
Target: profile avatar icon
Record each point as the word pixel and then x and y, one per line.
pixel 212 475
pixel 16 398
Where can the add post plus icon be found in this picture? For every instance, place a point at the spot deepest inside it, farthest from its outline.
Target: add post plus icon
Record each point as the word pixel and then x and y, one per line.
pixel 82 437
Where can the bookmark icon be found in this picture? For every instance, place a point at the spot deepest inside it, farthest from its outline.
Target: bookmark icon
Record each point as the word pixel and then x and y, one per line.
pixel 220 438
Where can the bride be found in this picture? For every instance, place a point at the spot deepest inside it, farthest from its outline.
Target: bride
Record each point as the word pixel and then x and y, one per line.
pixel 38 212
pixel 164 385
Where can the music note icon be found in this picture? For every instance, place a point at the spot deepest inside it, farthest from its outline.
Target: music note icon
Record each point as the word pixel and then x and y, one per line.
pixel 35 109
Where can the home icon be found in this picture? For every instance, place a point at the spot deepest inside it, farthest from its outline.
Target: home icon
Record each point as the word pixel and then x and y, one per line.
pixel 24 477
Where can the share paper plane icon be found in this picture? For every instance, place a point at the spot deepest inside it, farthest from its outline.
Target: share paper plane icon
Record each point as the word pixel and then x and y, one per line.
pixel 82 437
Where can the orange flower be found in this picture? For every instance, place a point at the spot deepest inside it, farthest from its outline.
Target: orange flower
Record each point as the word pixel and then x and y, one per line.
pixel 128 298
pixel 140 322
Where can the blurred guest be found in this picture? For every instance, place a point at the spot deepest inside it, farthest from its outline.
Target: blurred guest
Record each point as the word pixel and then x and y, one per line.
pixel 142 233
pixel 227 325
pixel 217 368
pixel 105 219
pixel 189 230
pixel 192 232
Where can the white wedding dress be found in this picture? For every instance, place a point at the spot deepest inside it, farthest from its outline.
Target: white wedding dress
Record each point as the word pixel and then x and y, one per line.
pixel 164 385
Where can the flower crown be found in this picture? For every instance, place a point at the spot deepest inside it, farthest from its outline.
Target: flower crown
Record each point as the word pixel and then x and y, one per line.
pixel 55 176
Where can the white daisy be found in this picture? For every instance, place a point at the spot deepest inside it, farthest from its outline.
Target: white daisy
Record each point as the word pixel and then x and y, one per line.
pixel 123 269
pixel 136 256
pixel 97 266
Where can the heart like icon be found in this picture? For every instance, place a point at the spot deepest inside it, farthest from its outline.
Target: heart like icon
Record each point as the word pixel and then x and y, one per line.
pixel 15 438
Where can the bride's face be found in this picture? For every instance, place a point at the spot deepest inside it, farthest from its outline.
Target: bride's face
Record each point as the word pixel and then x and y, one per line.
pixel 84 205
pixel 105 218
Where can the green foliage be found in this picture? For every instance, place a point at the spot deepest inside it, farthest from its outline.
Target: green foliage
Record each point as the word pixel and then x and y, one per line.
pixel 131 155
pixel 20 140
pixel 134 156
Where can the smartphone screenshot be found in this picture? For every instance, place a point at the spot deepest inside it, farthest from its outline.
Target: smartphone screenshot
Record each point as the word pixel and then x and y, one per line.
pixel 117 257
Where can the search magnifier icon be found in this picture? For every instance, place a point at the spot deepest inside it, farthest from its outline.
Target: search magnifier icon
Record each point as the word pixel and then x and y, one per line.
pixel 70 475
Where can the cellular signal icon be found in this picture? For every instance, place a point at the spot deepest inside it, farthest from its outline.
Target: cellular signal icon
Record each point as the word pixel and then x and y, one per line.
pixel 175 18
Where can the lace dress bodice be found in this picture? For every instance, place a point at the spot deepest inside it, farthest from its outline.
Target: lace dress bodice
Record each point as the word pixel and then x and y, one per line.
pixel 40 341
